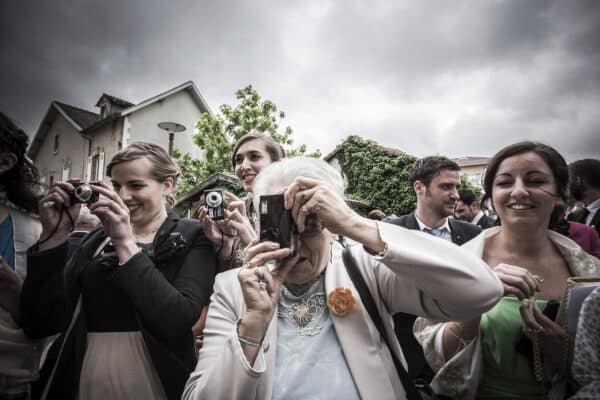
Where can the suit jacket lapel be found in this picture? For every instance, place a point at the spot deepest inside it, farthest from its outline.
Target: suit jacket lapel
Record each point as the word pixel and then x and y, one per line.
pixel 412 222
pixel 457 237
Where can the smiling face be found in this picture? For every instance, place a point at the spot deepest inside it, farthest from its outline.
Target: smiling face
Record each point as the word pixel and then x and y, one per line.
pixel 250 158
pixel 524 191
pixel 439 198
pixel 142 194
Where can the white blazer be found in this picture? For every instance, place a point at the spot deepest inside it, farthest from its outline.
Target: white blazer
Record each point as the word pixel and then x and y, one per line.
pixel 420 274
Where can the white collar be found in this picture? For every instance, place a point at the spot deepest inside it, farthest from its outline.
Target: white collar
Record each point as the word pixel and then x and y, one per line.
pixel 477 217
pixel 423 226
pixel 593 206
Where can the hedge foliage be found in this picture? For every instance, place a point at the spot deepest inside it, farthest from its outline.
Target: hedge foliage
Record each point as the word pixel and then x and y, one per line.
pixel 377 177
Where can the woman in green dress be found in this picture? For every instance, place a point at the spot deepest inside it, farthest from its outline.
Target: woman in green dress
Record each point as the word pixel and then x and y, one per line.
pixel 514 351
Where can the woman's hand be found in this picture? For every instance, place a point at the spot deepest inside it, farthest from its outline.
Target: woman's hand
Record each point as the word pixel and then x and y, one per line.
pixel 307 196
pixel 261 289
pixel 517 281
pixel 315 205
pixel 55 208
pixel 551 335
pixel 113 214
pixel 239 225
pixel 10 289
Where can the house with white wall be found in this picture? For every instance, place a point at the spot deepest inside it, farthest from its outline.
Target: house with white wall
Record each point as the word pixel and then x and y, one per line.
pixel 74 143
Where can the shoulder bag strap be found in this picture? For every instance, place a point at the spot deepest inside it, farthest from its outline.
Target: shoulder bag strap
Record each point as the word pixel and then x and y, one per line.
pixel 367 299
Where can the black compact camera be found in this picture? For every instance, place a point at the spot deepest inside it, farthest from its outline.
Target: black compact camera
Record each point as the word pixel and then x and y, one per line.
pixel 83 193
pixel 276 223
pixel 214 203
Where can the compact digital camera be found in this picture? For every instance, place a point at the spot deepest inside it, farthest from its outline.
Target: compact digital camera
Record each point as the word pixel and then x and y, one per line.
pixel 276 223
pixel 83 193
pixel 214 203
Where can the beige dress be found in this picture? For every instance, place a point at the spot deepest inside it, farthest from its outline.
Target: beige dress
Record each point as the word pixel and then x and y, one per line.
pixel 117 366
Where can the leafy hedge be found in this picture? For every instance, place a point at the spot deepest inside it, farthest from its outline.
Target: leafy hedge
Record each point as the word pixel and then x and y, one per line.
pixel 377 177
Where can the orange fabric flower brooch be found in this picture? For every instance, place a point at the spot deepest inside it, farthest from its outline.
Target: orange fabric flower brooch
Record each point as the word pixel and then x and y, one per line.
pixel 341 301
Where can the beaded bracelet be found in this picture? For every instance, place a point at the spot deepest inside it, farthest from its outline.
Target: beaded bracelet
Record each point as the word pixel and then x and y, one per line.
pixel 248 342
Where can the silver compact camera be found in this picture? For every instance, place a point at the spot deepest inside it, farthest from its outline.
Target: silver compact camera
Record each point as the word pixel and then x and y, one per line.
pixel 215 204
pixel 83 193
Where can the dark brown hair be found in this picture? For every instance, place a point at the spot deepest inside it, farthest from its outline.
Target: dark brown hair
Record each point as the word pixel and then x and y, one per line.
pixel 588 170
pixel 553 159
pixel 426 168
pixel 274 149
pixel 21 182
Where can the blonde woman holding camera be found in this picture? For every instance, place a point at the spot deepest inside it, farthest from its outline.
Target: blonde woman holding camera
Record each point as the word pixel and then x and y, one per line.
pixel 124 299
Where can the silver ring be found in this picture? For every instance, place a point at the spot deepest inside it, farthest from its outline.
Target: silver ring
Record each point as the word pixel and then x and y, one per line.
pixel 262 286
pixel 48 204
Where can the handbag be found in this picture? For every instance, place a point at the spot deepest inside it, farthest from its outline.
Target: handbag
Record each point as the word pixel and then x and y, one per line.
pixel 414 390
pixel 578 288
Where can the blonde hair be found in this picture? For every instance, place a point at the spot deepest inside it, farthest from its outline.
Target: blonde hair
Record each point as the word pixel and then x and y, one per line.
pixel 163 165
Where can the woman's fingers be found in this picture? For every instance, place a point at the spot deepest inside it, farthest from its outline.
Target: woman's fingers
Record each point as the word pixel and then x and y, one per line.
pixel 275 254
pixel 300 184
pixel 255 247
pixel 117 210
pixel 530 324
pixel 104 189
pixel 517 281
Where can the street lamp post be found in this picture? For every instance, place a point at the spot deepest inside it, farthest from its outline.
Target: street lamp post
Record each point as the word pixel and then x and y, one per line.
pixel 171 128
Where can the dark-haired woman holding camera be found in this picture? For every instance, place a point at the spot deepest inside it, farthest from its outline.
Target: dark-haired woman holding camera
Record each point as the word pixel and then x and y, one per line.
pixel 126 298
pixel 19 229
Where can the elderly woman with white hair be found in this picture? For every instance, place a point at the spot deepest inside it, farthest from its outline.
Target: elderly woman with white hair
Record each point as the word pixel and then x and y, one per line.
pixel 292 325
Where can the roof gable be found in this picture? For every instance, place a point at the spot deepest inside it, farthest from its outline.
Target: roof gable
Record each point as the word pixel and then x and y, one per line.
pixel 77 117
pixel 114 100
pixel 188 86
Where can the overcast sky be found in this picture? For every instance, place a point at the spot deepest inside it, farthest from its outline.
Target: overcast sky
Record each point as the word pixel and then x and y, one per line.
pixel 459 78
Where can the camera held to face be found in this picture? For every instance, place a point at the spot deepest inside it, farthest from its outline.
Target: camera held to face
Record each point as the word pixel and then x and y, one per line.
pixel 276 223
pixel 83 193
pixel 214 203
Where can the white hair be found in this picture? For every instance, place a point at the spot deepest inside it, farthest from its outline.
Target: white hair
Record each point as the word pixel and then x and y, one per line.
pixel 283 172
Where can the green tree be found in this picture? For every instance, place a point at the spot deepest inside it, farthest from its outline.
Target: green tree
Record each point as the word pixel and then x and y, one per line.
pixel 377 176
pixel 465 184
pixel 218 133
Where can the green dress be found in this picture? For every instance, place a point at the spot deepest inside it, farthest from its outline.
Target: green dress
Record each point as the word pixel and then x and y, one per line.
pixel 507 374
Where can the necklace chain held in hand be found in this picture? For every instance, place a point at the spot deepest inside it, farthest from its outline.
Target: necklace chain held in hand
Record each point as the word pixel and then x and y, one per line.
pixel 306 311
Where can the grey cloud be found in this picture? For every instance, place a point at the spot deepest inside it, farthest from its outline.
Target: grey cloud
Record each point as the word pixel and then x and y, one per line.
pixel 529 68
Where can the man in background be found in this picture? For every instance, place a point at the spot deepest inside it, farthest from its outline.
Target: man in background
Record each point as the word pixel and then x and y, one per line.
pixel 436 182
pixel 468 209
pixel 585 187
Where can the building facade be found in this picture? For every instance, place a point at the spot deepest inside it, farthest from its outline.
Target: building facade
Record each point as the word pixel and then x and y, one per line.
pixel 73 143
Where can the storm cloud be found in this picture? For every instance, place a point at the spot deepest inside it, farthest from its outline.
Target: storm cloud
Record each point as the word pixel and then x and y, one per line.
pixel 456 78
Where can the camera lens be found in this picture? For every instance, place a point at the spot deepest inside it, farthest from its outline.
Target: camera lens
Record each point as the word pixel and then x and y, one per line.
pixel 214 199
pixel 83 192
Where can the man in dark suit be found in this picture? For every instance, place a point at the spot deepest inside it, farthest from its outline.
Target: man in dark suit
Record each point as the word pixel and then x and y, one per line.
pixel 468 209
pixel 435 181
pixel 585 187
